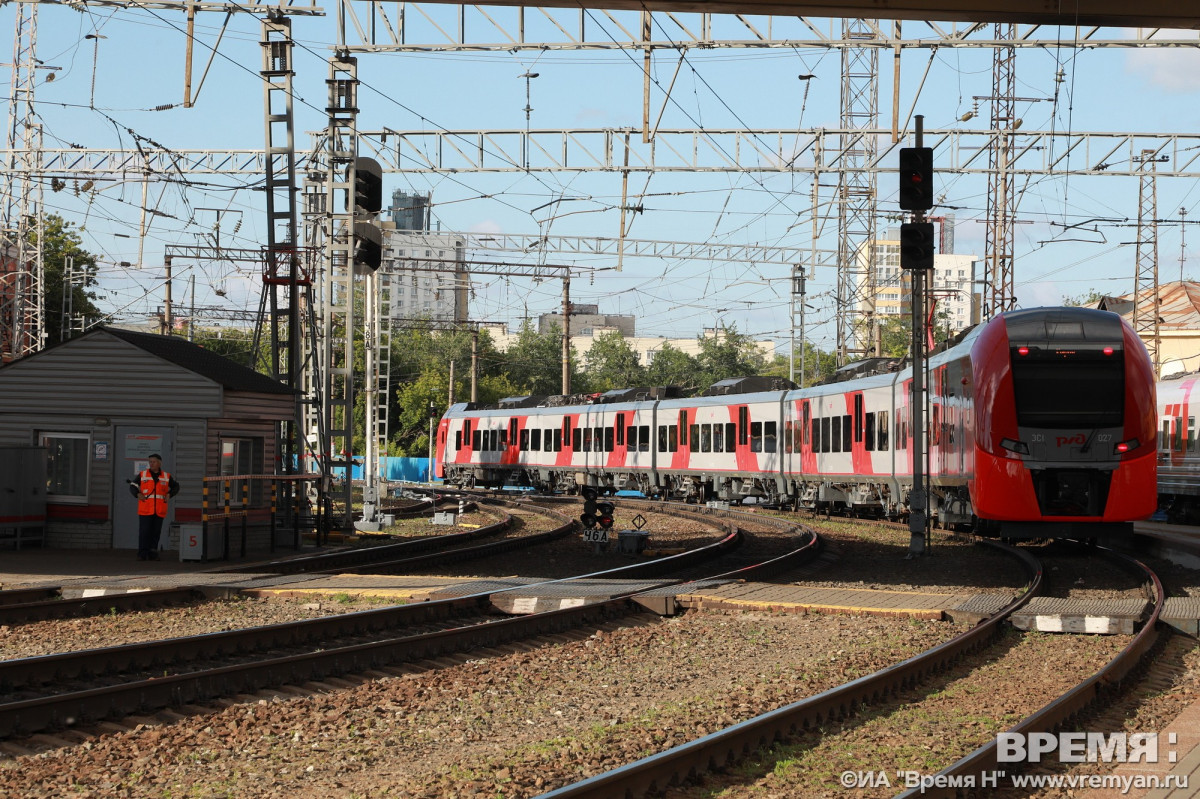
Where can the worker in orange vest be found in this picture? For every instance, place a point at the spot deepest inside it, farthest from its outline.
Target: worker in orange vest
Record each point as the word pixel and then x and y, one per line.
pixel 152 488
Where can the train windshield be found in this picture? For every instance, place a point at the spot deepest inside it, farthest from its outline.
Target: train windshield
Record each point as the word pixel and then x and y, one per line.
pixel 1054 393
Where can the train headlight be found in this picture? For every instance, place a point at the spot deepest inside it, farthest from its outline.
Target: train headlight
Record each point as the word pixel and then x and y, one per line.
pixel 1126 446
pixel 1019 447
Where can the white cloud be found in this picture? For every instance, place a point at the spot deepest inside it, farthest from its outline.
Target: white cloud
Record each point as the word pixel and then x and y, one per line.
pixel 486 226
pixel 1171 70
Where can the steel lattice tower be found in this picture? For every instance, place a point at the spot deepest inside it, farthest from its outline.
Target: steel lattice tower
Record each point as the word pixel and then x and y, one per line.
pixel 856 189
pixel 1145 281
pixel 337 300
pixel 22 321
pixel 999 293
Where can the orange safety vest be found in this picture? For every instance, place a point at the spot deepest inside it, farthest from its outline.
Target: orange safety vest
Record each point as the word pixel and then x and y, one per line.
pixel 154 493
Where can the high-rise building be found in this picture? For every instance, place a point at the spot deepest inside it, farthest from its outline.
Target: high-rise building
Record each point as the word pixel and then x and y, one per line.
pixel 951 283
pixel 428 275
pixel 410 211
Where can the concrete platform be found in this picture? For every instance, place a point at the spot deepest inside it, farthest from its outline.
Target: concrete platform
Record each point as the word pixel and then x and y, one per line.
pixel 1091 616
pixel 812 599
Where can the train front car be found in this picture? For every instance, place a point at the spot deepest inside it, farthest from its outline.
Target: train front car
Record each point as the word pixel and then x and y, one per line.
pixel 1065 425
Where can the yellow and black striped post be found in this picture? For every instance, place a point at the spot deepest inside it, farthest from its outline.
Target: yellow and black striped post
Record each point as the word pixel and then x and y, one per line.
pixel 245 512
pixel 228 490
pixel 204 523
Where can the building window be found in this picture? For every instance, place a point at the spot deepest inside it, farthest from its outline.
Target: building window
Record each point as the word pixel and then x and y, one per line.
pixel 67 458
pixel 243 456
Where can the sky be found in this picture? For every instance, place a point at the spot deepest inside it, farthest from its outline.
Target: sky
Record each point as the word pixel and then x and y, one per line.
pixel 115 77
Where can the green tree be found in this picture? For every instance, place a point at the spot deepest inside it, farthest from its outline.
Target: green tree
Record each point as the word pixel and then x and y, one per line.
pixel 61 243
pixel 1091 298
pixel 534 362
pixel 236 345
pixel 612 363
pixel 672 367
pixel 728 354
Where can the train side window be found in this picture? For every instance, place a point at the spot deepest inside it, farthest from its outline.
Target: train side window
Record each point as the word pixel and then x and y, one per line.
pixel 858 417
pixel 608 439
pixel 1191 433
pixel 816 435
pixel 846 433
pixel 558 445
pixel 730 437
pixel 835 434
pixel 598 439
pixel 672 438
pixel 756 436
pixel 577 439
pixel 525 440
pixel 718 437
pixel 662 438
pixel 1178 434
pixel 881 442
pixel 457 440
pixel 644 438
pixel 587 440
pixel 535 439
pixel 631 437
pixel 694 435
pixel 788 431
pixel 743 426
pixel 869 433
pixel 770 436
pixel 826 437
pixel 705 432
pixel 683 428
pixel 475 440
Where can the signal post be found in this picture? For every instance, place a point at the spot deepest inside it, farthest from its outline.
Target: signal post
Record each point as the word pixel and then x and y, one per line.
pixel 916 257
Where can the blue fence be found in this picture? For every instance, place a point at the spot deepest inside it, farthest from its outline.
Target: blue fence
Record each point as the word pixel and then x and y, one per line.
pixel 413 470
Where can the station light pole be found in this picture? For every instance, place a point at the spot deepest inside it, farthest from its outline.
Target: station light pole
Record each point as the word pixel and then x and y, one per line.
pixel 916 256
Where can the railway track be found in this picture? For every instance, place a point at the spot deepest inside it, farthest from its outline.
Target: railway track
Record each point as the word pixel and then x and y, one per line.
pixel 27 605
pixel 143 677
pixel 725 747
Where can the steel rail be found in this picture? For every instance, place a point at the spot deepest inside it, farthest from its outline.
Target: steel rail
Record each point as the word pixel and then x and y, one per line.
pixel 340 561
pixel 23 596
pixel 63 608
pixel 984 759
pixel 140 696
pixel 673 766
pixel 32 715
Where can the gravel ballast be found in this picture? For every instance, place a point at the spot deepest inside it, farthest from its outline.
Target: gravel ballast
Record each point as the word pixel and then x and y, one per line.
pixel 513 725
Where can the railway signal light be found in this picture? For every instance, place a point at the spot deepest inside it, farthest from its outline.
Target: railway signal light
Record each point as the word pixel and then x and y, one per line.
pixel 368 186
pixel 916 245
pixel 368 201
pixel 591 509
pixel 605 515
pixel 368 245
pixel 916 178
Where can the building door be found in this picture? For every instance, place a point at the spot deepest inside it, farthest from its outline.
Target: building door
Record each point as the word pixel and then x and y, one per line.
pixel 134 444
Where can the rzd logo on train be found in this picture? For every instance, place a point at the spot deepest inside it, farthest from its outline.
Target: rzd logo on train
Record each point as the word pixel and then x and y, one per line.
pixel 1062 441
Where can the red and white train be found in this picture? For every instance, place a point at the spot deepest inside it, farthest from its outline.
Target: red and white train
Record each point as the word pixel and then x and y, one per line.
pixel 1041 422
pixel 1178 451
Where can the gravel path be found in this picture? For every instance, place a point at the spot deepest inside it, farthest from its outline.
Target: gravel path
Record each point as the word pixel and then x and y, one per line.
pixel 520 721
pixel 68 635
pixel 511 726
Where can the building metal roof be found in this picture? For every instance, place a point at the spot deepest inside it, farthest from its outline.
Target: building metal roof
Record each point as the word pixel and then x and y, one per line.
pixel 1178 305
pixel 195 358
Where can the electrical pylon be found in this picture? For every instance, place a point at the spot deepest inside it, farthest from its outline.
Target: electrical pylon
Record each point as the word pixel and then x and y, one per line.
pixel 1145 281
pixel 22 268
